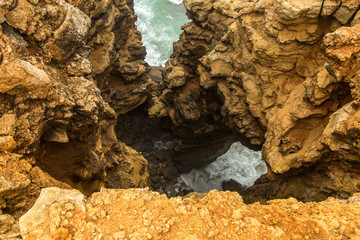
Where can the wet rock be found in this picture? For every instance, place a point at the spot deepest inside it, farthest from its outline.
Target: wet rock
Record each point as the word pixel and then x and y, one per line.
pixel 169 172
pixel 156 73
pixel 192 153
pixel 154 141
pixel 232 185
pixel 156 179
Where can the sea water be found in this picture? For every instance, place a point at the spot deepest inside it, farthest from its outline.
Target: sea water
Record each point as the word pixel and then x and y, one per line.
pixel 238 163
pixel 160 23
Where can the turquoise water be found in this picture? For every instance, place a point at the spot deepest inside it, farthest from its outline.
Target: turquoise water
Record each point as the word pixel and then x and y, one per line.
pixel 160 23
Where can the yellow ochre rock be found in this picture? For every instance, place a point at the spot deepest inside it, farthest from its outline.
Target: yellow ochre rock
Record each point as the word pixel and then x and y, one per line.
pixel 142 214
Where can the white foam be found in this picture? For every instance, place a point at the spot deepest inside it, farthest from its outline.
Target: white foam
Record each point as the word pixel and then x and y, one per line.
pixel 238 163
pixel 177 2
pixel 160 22
pixel 163 145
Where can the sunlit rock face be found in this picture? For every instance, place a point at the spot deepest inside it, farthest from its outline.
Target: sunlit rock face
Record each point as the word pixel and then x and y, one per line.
pixel 56 129
pixel 142 214
pixel 281 72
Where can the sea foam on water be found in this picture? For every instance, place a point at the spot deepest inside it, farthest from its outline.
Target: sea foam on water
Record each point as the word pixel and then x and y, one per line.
pixel 160 23
pixel 238 163
pixel 178 2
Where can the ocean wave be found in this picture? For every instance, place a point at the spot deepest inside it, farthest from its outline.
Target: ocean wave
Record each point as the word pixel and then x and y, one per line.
pixel 160 23
pixel 178 2
pixel 238 163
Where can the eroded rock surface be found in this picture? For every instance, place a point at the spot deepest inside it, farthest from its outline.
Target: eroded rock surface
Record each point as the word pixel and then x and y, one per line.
pixel 282 72
pixel 56 129
pixel 142 214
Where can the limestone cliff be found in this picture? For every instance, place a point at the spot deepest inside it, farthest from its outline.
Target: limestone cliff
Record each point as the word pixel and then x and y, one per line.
pixel 282 72
pixel 142 214
pixel 56 129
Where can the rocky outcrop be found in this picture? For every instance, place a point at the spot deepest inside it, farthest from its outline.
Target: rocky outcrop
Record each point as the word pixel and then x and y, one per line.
pixel 282 72
pixel 141 214
pixel 116 55
pixel 56 129
pixel 154 141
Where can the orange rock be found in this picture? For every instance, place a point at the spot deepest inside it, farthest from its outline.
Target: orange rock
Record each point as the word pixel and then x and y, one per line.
pixel 142 214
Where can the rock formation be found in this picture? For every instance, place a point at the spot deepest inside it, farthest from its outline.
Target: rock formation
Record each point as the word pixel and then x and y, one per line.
pixel 142 214
pixel 282 72
pixel 56 129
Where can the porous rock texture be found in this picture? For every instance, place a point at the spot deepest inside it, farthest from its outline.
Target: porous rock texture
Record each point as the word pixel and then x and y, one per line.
pixel 142 214
pixel 283 72
pixel 56 129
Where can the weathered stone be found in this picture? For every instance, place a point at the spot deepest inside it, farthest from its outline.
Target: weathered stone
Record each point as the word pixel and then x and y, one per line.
pixel 143 214
pixel 6 222
pixel 276 73
pixel 320 86
pixel 70 35
pixel 329 7
pixel 156 74
pixel 56 129
pixel 293 10
pixel 176 78
pixel 56 135
pixel 356 19
pixel 51 199
pixel 4 6
pixel 23 77
pixel 131 71
pixel 7 143
pixel 346 10
pixel 79 63
pixel 21 16
pixel 7 122
pixel 199 9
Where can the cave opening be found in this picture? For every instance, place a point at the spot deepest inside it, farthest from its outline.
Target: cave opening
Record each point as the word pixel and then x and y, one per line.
pixel 179 165
pixel 69 160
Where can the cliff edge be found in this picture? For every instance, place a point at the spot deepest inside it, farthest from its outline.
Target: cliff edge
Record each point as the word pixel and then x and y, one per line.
pixel 142 214
pixel 56 126
pixel 282 73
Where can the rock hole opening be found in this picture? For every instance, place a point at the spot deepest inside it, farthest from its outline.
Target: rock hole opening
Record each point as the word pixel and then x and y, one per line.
pixel 216 161
pixel 235 170
pixel 160 23
pixel 68 160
